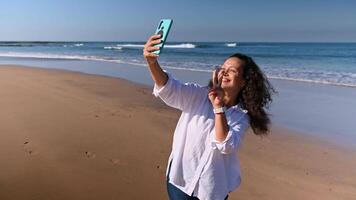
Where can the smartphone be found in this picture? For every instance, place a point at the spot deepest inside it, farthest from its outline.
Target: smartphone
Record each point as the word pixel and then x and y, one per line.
pixel 163 29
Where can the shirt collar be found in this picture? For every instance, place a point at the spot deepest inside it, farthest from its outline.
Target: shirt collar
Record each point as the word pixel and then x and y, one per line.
pixel 238 107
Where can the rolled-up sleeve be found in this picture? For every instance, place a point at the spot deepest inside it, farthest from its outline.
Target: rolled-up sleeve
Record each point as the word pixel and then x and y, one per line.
pixel 162 91
pixel 233 139
pixel 178 95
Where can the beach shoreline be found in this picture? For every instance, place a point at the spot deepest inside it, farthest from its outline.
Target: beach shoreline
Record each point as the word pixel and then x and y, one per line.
pixel 326 111
pixel 70 135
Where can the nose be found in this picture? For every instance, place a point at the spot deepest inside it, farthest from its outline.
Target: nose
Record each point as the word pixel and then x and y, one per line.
pixel 224 72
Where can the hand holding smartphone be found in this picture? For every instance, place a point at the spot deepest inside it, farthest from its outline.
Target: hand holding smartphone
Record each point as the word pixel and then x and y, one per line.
pixel 163 29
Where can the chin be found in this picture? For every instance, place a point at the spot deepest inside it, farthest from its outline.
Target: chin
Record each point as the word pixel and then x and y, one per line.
pixel 226 86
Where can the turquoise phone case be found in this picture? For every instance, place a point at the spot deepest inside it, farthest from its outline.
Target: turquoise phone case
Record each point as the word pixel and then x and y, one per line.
pixel 163 28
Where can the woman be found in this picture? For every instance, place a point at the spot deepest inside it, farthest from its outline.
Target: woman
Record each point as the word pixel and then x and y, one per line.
pixel 203 163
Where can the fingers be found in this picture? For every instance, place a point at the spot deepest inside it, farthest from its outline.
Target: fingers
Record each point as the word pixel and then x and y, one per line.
pixel 147 52
pixel 155 36
pixel 153 42
pixel 220 77
pixel 214 78
pixel 216 96
pixel 217 77
pixel 212 92
pixel 150 49
pixel 154 39
pixel 212 95
pixel 149 46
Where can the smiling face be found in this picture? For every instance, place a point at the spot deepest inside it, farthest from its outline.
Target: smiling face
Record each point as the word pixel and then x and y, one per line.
pixel 232 72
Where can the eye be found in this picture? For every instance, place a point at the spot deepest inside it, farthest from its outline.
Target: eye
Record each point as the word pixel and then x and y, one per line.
pixel 233 70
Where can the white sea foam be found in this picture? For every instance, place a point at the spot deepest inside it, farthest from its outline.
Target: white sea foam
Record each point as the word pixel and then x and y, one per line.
pixel 113 48
pixel 131 45
pixel 306 80
pixel 176 46
pixel 313 81
pixel 51 56
pixel 165 66
pixel 181 46
pixel 73 45
pixel 347 79
pixel 231 44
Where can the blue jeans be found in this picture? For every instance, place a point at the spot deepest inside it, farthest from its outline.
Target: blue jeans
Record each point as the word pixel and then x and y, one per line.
pixel 176 194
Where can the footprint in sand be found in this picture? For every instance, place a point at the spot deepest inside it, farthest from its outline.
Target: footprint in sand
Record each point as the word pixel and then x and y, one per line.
pixel 114 161
pixel 118 162
pixel 143 91
pixel 89 154
pixel 28 148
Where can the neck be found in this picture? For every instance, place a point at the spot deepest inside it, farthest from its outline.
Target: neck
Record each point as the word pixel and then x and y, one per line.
pixel 230 98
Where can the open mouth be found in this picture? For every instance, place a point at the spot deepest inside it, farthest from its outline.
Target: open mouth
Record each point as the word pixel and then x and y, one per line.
pixel 225 80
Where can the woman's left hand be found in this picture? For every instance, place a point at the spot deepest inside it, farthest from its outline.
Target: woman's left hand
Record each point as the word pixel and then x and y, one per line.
pixel 216 93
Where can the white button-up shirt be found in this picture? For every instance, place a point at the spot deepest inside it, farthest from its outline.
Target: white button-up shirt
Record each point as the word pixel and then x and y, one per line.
pixel 201 165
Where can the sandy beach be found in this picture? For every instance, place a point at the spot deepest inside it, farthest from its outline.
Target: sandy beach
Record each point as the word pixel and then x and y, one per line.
pixel 68 135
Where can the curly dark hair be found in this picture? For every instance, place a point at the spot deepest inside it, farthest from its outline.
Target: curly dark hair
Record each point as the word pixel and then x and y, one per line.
pixel 256 95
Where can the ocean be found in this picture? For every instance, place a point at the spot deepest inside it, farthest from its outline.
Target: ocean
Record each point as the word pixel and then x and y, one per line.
pixel 321 63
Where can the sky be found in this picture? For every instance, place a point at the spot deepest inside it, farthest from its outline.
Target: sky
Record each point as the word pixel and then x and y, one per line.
pixel 193 20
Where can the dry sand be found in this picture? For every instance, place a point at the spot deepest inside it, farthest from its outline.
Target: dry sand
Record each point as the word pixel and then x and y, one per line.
pixel 67 135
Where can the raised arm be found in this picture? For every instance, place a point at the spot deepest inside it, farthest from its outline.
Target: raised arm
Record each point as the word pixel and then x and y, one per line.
pixel 175 94
pixel 157 74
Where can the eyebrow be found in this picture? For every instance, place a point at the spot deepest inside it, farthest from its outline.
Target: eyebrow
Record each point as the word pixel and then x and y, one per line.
pixel 229 67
